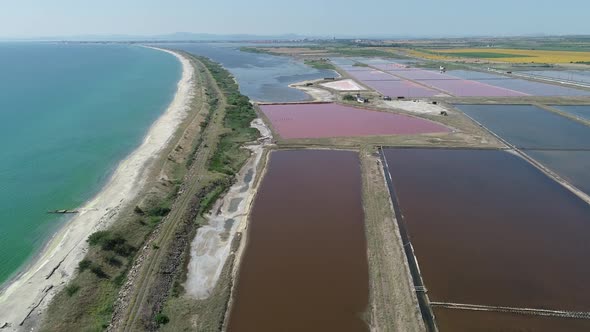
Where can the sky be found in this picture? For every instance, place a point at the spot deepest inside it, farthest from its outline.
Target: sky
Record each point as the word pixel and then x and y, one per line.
pixel 419 18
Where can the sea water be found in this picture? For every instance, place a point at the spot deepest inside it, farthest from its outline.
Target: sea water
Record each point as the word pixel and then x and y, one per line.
pixel 68 114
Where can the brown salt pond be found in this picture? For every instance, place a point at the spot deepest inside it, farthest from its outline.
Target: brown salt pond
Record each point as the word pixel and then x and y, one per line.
pixel 490 229
pixel 305 267
pixel 318 120
pixel 452 320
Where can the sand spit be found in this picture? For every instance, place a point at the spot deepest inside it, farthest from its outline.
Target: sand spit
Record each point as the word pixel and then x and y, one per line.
pixel 212 243
pixel 24 299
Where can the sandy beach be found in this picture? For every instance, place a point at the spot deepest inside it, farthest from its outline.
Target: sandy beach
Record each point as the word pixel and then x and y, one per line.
pixel 24 298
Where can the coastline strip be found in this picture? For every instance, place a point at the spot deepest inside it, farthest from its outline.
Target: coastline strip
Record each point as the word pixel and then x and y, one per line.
pixel 38 282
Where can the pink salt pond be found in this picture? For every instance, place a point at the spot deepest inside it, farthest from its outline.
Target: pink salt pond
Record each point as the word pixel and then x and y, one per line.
pixel 333 120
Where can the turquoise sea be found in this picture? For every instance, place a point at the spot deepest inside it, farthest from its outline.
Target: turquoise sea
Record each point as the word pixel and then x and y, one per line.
pixel 68 114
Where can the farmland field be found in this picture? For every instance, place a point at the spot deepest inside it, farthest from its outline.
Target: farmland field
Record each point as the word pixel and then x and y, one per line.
pixel 505 55
pixel 485 55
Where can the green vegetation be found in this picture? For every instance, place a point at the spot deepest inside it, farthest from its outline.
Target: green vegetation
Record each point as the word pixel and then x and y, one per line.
pixel 484 55
pixel 348 97
pixel 72 289
pixel 360 64
pixel 254 50
pixel 226 160
pixel 112 260
pixel 320 64
pixel 84 265
pixel 111 242
pixel 211 197
pixel 162 319
pixel 229 156
pixel 99 272
pixel 364 52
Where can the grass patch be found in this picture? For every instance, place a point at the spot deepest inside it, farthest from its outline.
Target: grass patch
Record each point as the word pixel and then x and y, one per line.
pixel 320 64
pixel 212 196
pixel 162 319
pixel 229 157
pixel 72 289
pixel 84 265
pixel 254 50
pixel 365 52
pixel 349 97
pixel 486 55
pixel 109 241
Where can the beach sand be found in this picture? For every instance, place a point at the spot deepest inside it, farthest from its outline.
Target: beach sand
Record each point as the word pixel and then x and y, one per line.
pixel 24 298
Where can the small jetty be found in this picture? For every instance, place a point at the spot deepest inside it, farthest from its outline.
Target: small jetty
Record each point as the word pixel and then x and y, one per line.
pixel 62 211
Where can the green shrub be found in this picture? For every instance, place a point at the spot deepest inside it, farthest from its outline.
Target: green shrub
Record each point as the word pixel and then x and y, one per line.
pixel 114 261
pixel 111 242
pixel 120 279
pixel 98 237
pixel 162 319
pixel 84 264
pixel 159 211
pixel 98 271
pixel 138 210
pixel 72 289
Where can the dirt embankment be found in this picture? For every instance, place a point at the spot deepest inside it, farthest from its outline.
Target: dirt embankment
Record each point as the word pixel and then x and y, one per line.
pixel 393 304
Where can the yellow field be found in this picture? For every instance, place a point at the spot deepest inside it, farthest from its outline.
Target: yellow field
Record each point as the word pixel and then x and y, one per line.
pixel 504 55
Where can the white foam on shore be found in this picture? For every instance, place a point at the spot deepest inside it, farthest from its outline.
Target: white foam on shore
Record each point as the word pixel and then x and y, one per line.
pixel 28 294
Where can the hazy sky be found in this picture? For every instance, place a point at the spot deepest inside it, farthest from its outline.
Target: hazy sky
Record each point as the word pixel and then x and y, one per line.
pixel 32 18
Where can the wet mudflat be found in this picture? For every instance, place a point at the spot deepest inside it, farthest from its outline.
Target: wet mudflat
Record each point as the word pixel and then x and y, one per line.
pixel 451 320
pixel 305 267
pixel 490 229
pixel 530 127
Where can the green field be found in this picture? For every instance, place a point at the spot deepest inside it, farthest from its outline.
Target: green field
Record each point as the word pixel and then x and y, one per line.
pixel 484 55
pixel 320 64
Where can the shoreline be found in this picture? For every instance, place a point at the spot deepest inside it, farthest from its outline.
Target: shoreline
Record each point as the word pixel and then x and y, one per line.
pixel 26 295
